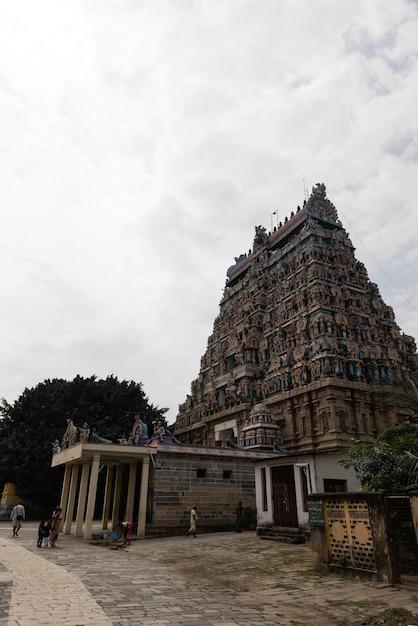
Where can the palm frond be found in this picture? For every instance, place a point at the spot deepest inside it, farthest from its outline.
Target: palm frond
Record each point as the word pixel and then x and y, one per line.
pixel 407 469
pixel 396 393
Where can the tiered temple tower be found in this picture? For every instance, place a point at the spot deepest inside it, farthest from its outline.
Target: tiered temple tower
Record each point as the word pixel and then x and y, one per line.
pixel 301 334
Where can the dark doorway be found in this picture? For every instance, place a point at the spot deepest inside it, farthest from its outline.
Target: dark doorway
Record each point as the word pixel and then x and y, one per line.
pixel 284 496
pixel 402 537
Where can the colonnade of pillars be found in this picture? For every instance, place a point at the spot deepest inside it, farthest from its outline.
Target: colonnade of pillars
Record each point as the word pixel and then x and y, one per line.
pixel 87 493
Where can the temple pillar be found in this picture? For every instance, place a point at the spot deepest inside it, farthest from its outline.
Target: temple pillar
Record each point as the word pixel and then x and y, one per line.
pixel 116 496
pixel 108 493
pixel 82 499
pixel 71 499
pixel 143 497
pixel 131 493
pixel 64 492
pixel 91 501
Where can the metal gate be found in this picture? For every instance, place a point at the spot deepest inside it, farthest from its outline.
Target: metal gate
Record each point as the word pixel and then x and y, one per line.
pixel 348 533
pixel 401 536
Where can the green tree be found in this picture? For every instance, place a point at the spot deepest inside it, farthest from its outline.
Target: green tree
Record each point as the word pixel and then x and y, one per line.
pixel 39 416
pixel 388 463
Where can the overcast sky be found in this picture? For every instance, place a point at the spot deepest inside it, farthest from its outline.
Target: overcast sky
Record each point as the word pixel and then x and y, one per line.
pixel 142 140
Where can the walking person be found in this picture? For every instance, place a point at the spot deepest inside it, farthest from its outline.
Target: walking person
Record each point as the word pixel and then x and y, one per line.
pixel 239 513
pixel 55 523
pixel 127 528
pixel 47 532
pixel 17 516
pixel 41 533
pixel 193 522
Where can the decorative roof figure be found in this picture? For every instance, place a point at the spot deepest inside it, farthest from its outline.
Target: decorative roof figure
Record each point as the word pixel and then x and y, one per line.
pixel 260 431
pixel 319 191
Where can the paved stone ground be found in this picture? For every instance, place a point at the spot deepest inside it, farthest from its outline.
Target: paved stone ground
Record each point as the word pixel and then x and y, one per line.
pixel 222 579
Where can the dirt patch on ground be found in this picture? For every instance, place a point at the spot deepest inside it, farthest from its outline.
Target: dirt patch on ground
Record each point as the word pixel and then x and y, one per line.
pixel 392 617
pixel 278 581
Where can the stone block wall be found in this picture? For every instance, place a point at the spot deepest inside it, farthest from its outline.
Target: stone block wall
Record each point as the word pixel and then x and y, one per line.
pixel 215 484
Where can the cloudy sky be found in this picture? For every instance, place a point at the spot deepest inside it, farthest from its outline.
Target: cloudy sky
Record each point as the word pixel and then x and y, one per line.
pixel 142 140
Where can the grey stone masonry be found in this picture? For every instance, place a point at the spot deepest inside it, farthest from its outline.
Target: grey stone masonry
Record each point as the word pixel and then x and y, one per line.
pixel 213 480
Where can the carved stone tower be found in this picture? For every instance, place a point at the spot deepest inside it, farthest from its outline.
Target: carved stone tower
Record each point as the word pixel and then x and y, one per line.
pixel 303 332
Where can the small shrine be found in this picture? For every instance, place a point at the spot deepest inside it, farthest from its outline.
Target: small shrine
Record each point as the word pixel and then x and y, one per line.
pixel 152 482
pixel 260 431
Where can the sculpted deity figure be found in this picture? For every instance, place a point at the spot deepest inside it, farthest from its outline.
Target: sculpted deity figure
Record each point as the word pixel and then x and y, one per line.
pixel 70 435
pixel 261 235
pixel 231 389
pixel 139 431
pixel 84 433
pixel 211 397
pixel 159 430
pixel 240 390
pixel 97 439
pixel 319 191
pixel 316 369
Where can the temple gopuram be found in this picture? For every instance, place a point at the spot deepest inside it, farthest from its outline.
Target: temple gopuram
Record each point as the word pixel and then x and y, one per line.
pixel 283 389
pixel 301 335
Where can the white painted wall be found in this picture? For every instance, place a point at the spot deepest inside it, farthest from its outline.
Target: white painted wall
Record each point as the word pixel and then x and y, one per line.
pixel 327 466
pixel 321 466
pixel 264 518
pixel 225 425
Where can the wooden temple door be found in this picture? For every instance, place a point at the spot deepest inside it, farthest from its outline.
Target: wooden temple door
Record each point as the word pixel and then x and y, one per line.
pixel 284 496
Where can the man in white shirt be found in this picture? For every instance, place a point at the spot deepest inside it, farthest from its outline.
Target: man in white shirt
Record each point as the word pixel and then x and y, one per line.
pixel 17 516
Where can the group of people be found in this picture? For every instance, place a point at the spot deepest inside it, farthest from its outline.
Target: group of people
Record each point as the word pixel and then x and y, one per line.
pixel 48 530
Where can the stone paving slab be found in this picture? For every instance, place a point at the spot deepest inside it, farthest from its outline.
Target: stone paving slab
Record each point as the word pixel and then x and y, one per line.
pixel 222 579
pixel 43 592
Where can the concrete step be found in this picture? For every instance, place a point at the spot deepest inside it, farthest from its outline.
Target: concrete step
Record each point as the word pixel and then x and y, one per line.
pixel 283 535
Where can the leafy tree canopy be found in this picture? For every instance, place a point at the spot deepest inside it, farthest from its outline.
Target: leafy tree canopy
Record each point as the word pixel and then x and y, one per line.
pixel 391 462
pixel 39 416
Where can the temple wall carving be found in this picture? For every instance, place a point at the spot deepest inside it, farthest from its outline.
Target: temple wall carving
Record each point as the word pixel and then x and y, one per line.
pixel 302 329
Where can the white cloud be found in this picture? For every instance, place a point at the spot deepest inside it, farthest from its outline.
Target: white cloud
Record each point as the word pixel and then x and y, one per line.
pixel 142 142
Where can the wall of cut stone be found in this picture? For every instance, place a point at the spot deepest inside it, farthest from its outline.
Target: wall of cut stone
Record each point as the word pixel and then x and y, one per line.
pixel 215 484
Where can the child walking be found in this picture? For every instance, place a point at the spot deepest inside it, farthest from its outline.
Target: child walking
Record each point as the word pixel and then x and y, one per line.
pixel 47 530
pixel 41 529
